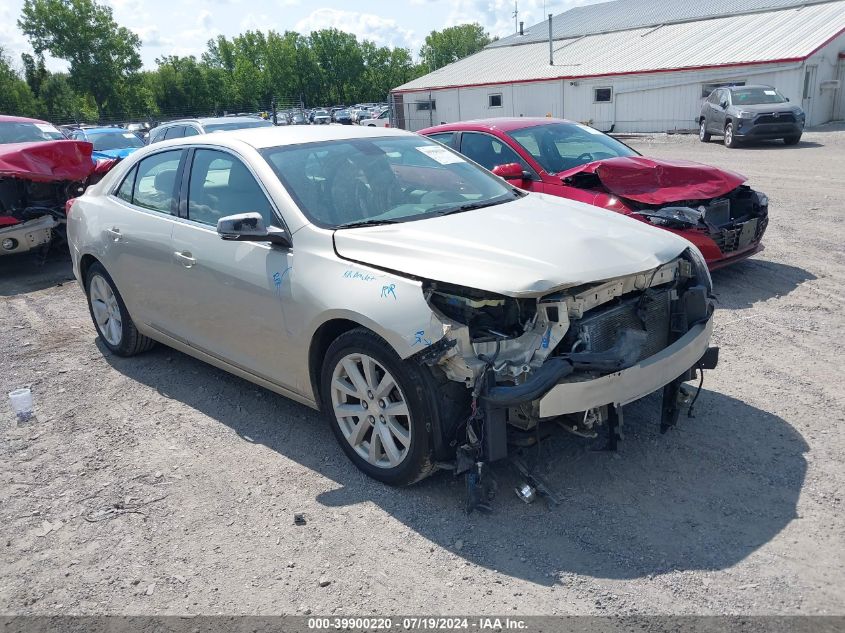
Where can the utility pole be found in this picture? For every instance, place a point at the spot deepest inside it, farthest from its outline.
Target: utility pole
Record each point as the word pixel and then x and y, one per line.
pixel 515 16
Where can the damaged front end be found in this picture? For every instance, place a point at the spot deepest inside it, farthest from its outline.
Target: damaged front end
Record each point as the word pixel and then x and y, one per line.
pixel 575 355
pixel 36 181
pixel 734 222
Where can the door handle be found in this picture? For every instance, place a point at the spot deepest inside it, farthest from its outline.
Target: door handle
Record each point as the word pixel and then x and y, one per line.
pixel 114 233
pixel 185 258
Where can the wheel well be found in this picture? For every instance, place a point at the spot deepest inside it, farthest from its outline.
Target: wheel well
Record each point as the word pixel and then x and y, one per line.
pixel 323 337
pixel 85 264
pixel 728 120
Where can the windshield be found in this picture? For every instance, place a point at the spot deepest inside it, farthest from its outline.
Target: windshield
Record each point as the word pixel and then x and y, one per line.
pixel 756 96
pixel 238 125
pixel 26 132
pixel 563 146
pixel 321 113
pixel 382 180
pixel 115 140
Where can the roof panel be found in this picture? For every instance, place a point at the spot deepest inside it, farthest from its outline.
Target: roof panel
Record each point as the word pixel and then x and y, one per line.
pixel 787 34
pixel 620 15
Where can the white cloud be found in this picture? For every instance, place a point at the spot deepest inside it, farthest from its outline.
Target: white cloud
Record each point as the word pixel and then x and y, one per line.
pixel 497 15
pixel 151 36
pixel 365 26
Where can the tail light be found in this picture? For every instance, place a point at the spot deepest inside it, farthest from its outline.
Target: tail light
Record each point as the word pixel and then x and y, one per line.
pixel 387 125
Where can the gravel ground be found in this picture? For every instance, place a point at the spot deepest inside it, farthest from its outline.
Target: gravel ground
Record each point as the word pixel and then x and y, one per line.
pixel 160 485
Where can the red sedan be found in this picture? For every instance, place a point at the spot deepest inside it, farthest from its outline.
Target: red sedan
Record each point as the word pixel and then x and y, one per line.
pixel 710 207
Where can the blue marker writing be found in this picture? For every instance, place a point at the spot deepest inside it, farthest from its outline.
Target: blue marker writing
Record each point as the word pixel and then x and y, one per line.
pixel 387 291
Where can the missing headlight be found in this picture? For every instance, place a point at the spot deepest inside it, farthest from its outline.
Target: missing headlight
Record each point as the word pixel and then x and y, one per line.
pixel 488 316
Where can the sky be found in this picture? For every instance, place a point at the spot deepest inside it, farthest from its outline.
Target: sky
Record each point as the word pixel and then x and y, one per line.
pixel 183 27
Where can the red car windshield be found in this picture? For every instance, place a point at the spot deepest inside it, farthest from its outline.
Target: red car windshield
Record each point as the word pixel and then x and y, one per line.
pixel 27 132
pixel 562 146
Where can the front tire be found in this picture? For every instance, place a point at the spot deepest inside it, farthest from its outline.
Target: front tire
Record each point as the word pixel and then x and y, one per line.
pixel 380 408
pixel 703 134
pixel 792 140
pixel 115 327
pixel 730 139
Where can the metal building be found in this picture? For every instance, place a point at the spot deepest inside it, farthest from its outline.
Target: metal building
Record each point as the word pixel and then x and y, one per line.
pixel 641 65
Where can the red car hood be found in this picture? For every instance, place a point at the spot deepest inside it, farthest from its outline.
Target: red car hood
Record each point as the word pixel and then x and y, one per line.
pixel 46 161
pixel 654 181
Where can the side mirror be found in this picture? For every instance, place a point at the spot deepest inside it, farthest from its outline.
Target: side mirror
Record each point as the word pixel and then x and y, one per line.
pixel 723 105
pixel 250 227
pixel 509 171
pixel 787 98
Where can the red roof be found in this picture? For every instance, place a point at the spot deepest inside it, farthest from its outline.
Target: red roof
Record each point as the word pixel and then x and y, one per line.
pixel 505 124
pixel 5 118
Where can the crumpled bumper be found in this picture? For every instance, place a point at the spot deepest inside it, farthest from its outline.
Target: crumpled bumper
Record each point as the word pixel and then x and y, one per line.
pixel 27 235
pixel 633 383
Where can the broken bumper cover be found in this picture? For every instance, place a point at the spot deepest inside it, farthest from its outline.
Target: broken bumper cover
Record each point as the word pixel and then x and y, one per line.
pixel 25 236
pixel 630 384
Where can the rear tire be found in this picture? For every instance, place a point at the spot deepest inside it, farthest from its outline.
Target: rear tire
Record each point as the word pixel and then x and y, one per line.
pixel 792 140
pixel 114 326
pixel 703 134
pixel 362 381
pixel 730 139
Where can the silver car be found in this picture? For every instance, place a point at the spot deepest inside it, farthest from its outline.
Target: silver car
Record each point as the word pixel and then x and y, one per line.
pixel 422 303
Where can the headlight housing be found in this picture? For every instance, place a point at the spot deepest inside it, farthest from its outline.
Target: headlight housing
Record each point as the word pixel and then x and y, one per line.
pixel 702 273
pixel 745 115
pixel 762 199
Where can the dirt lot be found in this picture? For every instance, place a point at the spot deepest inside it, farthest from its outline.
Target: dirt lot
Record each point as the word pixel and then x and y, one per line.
pixel 160 485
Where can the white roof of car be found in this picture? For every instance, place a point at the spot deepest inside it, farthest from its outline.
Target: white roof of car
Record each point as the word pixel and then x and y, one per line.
pixel 262 137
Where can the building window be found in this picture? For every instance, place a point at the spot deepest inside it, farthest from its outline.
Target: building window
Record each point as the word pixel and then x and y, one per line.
pixel 426 105
pixel 602 95
pixel 494 101
pixel 707 89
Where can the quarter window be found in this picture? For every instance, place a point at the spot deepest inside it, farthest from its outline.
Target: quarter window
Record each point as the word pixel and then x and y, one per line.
pixel 443 137
pixel 221 185
pixel 602 95
pixel 155 182
pixel 177 131
pixel 124 192
pixel 191 131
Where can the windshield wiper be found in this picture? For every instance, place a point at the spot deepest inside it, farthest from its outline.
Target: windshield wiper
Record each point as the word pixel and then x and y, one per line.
pixel 471 206
pixel 373 222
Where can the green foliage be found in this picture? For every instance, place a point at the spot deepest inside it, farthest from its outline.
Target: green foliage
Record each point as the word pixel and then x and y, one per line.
pixel 449 45
pixel 101 54
pixel 242 73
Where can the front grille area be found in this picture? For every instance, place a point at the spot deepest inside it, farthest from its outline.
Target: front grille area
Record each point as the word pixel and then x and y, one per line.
pixel 738 236
pixel 784 117
pixel 600 328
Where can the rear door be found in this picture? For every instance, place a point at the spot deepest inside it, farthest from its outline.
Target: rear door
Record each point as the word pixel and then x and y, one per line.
pixel 231 294
pixel 137 234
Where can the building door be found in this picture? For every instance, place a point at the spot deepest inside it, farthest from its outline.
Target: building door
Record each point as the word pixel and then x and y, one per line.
pixel 807 100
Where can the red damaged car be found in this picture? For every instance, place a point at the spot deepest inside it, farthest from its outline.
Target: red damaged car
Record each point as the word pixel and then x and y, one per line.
pixel 39 172
pixel 710 207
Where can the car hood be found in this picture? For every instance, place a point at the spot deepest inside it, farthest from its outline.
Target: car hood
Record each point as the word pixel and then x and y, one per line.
pixel 114 153
pixel 524 248
pixel 46 161
pixel 655 181
pixel 765 107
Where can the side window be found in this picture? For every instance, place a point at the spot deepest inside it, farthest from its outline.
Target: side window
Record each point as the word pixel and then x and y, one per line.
pixel 221 185
pixel 488 151
pixel 191 131
pixel 155 182
pixel 124 192
pixel 444 137
pixel 177 131
pixel 157 135
pixel 384 115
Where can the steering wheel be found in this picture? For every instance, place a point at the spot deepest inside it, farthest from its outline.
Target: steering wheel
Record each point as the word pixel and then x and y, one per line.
pixel 586 157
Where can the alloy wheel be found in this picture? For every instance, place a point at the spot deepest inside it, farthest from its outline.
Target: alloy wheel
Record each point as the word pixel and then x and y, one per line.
pixel 106 310
pixel 371 410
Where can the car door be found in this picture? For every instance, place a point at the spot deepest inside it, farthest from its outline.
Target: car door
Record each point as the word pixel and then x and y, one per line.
pixel 232 294
pixel 717 121
pixel 137 234
pixel 490 152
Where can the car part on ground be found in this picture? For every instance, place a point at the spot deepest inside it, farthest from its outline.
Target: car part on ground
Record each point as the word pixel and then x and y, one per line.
pixel 578 162
pixel 425 305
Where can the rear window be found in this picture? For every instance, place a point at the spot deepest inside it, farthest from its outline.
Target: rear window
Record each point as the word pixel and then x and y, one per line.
pixel 28 132
pixel 238 125
pixel 115 140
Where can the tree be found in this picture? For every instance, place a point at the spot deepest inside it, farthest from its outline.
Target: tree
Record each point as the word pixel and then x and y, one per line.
pixel 61 103
pixel 341 63
pixel 15 95
pixel 449 45
pixel 35 72
pixel 101 54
